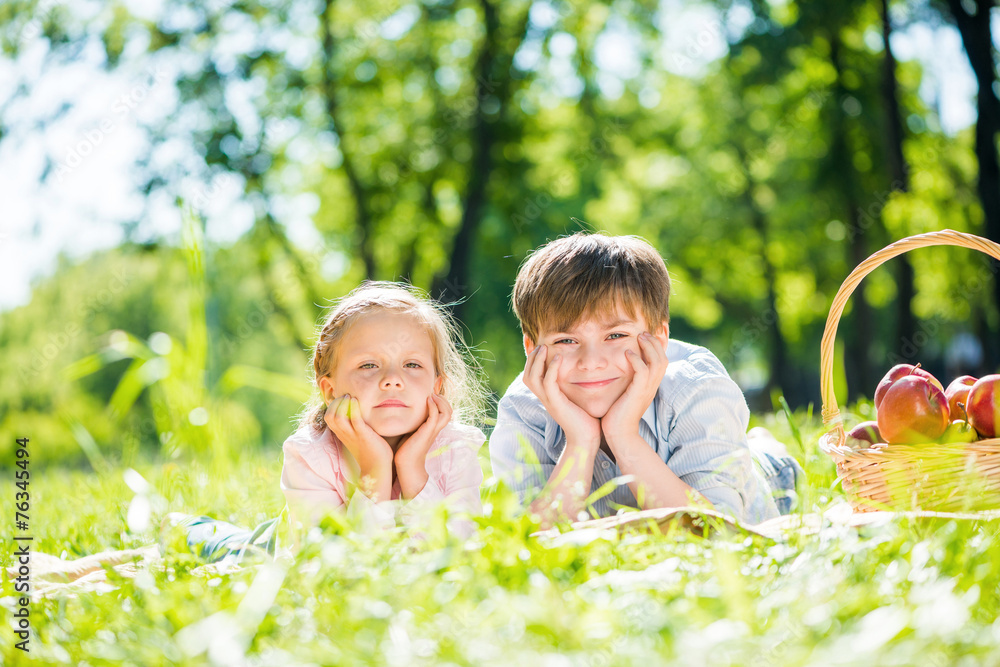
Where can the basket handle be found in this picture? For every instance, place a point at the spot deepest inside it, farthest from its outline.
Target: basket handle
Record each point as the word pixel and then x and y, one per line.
pixel 831 411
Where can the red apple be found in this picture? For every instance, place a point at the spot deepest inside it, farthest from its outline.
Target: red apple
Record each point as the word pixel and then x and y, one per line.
pixel 866 432
pixel 959 431
pixel 900 371
pixel 958 392
pixel 983 405
pixel 913 410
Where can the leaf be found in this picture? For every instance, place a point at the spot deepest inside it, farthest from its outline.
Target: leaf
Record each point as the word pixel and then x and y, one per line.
pixel 239 375
pixel 89 446
pixel 129 387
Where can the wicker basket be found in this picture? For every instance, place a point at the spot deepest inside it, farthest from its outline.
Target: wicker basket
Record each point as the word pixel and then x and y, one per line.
pixel 940 477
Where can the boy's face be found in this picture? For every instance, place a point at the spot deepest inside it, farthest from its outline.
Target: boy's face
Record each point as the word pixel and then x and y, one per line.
pixel 595 371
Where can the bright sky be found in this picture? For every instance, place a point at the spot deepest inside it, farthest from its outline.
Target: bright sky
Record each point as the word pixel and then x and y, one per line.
pixel 97 140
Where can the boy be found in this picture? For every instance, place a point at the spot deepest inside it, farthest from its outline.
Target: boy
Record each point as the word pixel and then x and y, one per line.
pixel 605 393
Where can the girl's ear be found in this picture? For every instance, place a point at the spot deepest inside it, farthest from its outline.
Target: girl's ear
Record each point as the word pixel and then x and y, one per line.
pixel 325 385
pixel 438 384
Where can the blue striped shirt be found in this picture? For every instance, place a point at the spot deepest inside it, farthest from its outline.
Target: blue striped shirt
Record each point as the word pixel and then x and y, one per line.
pixel 697 424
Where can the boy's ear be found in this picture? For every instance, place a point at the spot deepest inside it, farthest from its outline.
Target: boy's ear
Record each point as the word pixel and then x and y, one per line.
pixel 528 345
pixel 325 385
pixel 663 333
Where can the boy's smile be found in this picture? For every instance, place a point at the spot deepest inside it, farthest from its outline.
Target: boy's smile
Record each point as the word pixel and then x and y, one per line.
pixel 595 371
pixel 595 384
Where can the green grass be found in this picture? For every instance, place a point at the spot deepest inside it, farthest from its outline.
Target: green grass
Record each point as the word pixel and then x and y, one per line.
pixel 910 592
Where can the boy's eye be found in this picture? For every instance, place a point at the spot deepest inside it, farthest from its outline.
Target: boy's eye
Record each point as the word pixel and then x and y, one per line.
pixel 617 335
pixel 563 340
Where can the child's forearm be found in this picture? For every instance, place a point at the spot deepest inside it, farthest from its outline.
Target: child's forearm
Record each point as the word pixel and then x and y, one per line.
pixel 569 484
pixel 375 481
pixel 412 477
pixel 653 483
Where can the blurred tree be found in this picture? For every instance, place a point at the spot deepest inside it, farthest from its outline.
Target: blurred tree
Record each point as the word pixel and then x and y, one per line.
pixel 860 374
pixel 973 18
pixel 862 118
pixel 899 176
pixel 440 141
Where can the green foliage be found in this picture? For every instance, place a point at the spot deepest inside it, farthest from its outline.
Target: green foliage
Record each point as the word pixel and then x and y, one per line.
pixel 166 342
pixel 189 415
pixel 902 592
pixel 427 137
pixel 66 321
pixel 441 142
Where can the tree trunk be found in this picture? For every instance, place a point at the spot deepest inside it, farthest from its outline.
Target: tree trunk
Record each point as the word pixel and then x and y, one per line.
pixel 978 42
pixel 262 234
pixel 858 339
pixel 860 334
pixel 777 347
pixel 489 82
pixel 306 275
pixel 363 215
pixel 899 175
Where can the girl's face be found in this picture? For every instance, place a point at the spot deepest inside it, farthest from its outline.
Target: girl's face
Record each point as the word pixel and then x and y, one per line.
pixel 386 361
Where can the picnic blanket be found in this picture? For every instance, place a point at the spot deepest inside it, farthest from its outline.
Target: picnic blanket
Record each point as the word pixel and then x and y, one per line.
pixel 707 522
pixel 54 577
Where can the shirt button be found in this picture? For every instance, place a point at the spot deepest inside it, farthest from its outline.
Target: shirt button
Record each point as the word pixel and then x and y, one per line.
pixel 605 465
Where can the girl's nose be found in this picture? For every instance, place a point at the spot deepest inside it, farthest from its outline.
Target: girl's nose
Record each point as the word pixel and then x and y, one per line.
pixel 392 380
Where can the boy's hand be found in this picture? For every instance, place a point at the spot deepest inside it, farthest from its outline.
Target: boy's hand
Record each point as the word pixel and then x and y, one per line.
pixel 372 453
pixel 623 417
pixel 411 454
pixel 541 378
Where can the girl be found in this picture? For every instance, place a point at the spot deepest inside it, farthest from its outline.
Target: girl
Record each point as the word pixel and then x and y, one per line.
pixel 385 436
pixel 390 379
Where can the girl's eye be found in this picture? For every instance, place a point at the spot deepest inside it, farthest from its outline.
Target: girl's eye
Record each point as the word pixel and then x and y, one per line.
pixel 367 365
pixel 413 364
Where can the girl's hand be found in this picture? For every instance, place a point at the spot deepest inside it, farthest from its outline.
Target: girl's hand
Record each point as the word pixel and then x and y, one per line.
pixel 372 453
pixel 541 378
pixel 411 454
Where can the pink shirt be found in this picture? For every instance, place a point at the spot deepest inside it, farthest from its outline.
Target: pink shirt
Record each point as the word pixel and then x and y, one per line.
pixel 317 478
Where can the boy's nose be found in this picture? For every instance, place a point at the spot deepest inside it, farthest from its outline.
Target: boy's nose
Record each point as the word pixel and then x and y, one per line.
pixel 591 359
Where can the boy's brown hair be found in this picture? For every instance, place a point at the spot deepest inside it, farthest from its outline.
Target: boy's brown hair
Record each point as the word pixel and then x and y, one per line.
pixel 589 275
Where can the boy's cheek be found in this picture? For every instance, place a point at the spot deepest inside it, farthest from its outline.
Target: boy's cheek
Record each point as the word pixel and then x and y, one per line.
pixel 567 388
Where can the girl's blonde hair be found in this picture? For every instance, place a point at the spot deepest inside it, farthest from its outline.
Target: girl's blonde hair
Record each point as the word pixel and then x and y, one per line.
pixel 463 387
